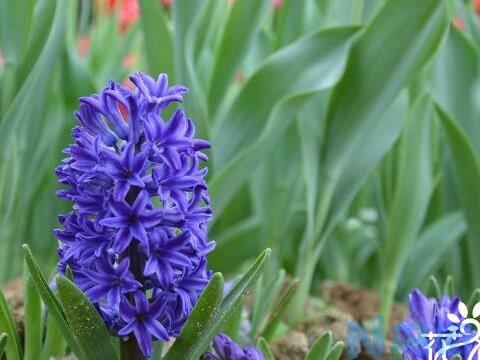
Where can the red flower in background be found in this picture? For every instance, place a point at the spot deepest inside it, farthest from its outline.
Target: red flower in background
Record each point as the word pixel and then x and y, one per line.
pixel 166 3
pixel 83 45
pixel 129 13
pixel 276 3
pixel 477 6
pixel 459 23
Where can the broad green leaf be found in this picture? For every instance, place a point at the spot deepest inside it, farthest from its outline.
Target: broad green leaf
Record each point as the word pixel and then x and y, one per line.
pixel 158 43
pixel 184 13
pixel 315 62
pixel 85 321
pixel 31 98
pixel 430 248
pixel 7 326
pixel 203 313
pixel 3 343
pixel 455 81
pixel 279 309
pixel 265 349
pixel 33 330
pixel 323 56
pixel 371 82
pixel 467 175
pixel 242 26
pixel 52 303
pixel 294 19
pixel 42 22
pixel 320 347
pixel 15 24
pixel 412 196
pixel 234 297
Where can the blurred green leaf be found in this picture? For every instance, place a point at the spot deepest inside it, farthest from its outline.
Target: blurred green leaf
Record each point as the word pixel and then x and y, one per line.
pixel 54 344
pixel 279 309
pixel 371 82
pixel 158 39
pixel 7 326
pixel 3 343
pixel 467 174
pixel 241 28
pixel 412 196
pixel 85 321
pixel 265 349
pixel 32 305
pixel 318 61
pixel 202 314
pixel 430 248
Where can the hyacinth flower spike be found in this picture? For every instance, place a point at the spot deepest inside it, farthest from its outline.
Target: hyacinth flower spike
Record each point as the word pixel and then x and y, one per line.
pixel 136 237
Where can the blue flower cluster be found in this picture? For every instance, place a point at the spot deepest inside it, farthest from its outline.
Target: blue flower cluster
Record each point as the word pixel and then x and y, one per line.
pixel 136 239
pixel 428 315
pixel 226 349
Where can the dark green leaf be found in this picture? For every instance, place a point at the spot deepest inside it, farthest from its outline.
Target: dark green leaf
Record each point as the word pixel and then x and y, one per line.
pixel 33 317
pixel 85 321
pixel 7 326
pixel 201 315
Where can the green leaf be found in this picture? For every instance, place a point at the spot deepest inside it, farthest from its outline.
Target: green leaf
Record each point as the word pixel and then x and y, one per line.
pixel 85 321
pixel 455 76
pixel 430 248
pixel 3 343
pixel 412 196
pixel 335 352
pixel 184 13
pixel 33 317
pixel 157 36
pixel 467 174
pixel 51 302
pixel 241 29
pixel 279 309
pixel 371 82
pixel 243 136
pixel 54 344
pixel 32 96
pixel 201 315
pixel 7 326
pixel 235 296
pixel 320 347
pixel 265 349
pixel 315 62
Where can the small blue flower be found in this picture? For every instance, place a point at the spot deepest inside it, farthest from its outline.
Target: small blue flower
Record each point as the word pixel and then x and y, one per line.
pixel 226 349
pixel 427 315
pixel 141 319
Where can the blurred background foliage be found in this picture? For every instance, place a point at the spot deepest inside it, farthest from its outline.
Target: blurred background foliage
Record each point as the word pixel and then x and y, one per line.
pixel 345 133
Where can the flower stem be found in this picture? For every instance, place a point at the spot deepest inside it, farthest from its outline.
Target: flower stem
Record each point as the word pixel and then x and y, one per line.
pixel 129 349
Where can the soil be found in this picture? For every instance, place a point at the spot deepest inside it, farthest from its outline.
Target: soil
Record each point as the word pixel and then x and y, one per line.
pixel 348 303
pixel 13 292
